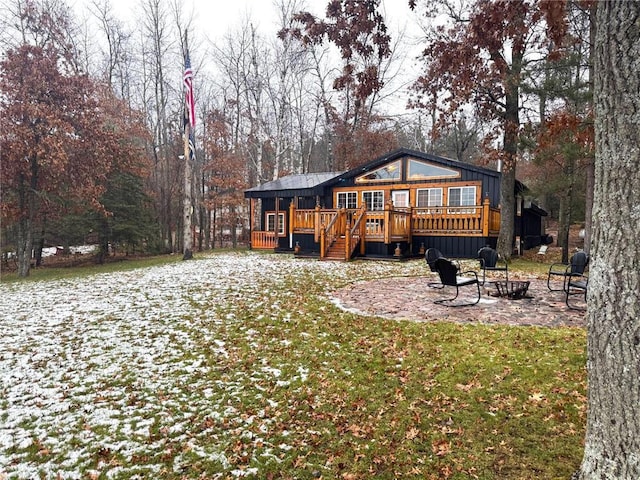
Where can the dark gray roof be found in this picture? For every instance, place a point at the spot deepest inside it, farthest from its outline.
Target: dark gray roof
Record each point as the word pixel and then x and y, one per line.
pixel 296 182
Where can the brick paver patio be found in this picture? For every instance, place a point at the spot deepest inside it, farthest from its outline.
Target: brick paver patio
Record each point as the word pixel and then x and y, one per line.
pixel 411 298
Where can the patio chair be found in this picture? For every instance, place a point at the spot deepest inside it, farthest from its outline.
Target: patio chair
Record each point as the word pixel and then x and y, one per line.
pixel 490 261
pixel 576 285
pixel 430 256
pixel 576 268
pixel 448 273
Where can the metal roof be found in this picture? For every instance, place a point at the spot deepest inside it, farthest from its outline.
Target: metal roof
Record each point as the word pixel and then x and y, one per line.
pixel 291 183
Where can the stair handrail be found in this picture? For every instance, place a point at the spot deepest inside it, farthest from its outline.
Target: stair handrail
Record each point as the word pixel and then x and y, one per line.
pixel 328 234
pixel 355 231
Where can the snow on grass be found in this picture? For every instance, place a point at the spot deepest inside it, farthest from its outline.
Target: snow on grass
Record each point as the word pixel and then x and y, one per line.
pixel 145 373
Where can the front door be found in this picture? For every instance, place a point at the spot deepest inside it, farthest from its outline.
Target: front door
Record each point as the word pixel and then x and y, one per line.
pixel 400 198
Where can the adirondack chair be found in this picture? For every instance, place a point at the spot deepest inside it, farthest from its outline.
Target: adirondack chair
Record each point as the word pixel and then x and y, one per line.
pixel 448 273
pixel 490 261
pixel 574 270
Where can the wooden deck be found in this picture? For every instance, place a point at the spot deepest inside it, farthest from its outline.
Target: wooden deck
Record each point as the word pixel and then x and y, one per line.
pixel 387 226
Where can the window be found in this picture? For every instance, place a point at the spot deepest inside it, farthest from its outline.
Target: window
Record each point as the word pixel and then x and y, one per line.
pixel 422 170
pixel 462 196
pixel 271 219
pixel 373 200
pixel 391 171
pixel 400 198
pixel 347 200
pixel 429 197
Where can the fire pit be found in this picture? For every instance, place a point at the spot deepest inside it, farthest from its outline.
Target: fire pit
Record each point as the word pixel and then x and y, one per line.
pixel 512 290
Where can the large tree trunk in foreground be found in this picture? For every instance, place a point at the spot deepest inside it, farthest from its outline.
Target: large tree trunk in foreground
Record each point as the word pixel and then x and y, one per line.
pixel 612 445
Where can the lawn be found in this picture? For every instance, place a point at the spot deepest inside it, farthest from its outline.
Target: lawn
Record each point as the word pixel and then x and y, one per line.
pixel 238 365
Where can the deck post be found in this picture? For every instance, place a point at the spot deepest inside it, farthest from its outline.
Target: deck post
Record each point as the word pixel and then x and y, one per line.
pixel 347 241
pixel 363 231
pixel 387 221
pixel 252 219
pixel 323 240
pixel 410 228
pixel 316 224
pixel 485 217
pixel 292 218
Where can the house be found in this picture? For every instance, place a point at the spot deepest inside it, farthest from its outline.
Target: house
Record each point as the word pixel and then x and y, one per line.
pixel 395 206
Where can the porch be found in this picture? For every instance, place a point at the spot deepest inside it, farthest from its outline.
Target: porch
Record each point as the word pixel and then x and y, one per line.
pixel 339 233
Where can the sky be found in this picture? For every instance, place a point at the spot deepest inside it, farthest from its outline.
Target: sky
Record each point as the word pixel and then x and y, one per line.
pixel 213 19
pixel 216 17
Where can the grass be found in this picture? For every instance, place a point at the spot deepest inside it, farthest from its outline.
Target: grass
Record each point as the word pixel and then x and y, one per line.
pixel 271 380
pixel 88 268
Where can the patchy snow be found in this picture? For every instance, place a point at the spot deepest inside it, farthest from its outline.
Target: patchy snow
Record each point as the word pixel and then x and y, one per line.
pixel 115 373
pixel 79 249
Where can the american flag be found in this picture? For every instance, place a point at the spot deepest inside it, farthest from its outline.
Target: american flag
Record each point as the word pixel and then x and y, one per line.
pixel 188 83
pixel 192 145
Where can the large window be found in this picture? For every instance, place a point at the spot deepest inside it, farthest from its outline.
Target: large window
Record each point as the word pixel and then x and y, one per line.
pixel 392 171
pixel 347 200
pixel 429 197
pixel 424 170
pixel 462 196
pixel 271 223
pixel 373 200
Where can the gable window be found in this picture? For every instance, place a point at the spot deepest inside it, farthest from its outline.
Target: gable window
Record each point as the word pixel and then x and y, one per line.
pixel 460 197
pixel 418 170
pixel 347 200
pixel 429 197
pixel 271 222
pixel 391 171
pixel 374 200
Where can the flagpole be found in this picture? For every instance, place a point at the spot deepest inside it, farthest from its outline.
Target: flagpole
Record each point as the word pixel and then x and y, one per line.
pixel 187 238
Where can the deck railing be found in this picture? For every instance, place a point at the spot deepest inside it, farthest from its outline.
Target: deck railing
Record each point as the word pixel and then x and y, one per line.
pixel 460 221
pixel 355 233
pixel 263 240
pixel 388 225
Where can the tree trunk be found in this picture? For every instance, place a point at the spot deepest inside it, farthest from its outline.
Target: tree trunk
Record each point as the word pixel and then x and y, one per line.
pixel 507 212
pixel 508 179
pixel 590 164
pixel 24 246
pixel 510 146
pixel 612 443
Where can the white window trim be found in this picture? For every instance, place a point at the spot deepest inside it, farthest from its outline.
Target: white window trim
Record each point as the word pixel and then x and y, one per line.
pixel 461 188
pixel 395 193
pixel 373 192
pixel 346 194
pixel 281 226
pixel 435 208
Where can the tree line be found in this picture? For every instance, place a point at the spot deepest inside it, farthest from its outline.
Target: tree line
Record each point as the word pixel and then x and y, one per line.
pixel 92 111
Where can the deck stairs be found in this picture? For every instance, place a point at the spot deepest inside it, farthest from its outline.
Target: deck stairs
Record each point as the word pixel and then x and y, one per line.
pixel 337 249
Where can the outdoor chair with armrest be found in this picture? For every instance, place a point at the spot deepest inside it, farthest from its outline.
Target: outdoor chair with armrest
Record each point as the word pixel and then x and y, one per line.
pixel 448 273
pixel 576 285
pixel 575 269
pixel 490 261
pixel 430 256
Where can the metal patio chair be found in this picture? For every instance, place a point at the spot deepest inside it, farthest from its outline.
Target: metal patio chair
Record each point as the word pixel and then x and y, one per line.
pixel 576 285
pixel 430 256
pixel 490 261
pixel 574 270
pixel 448 273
